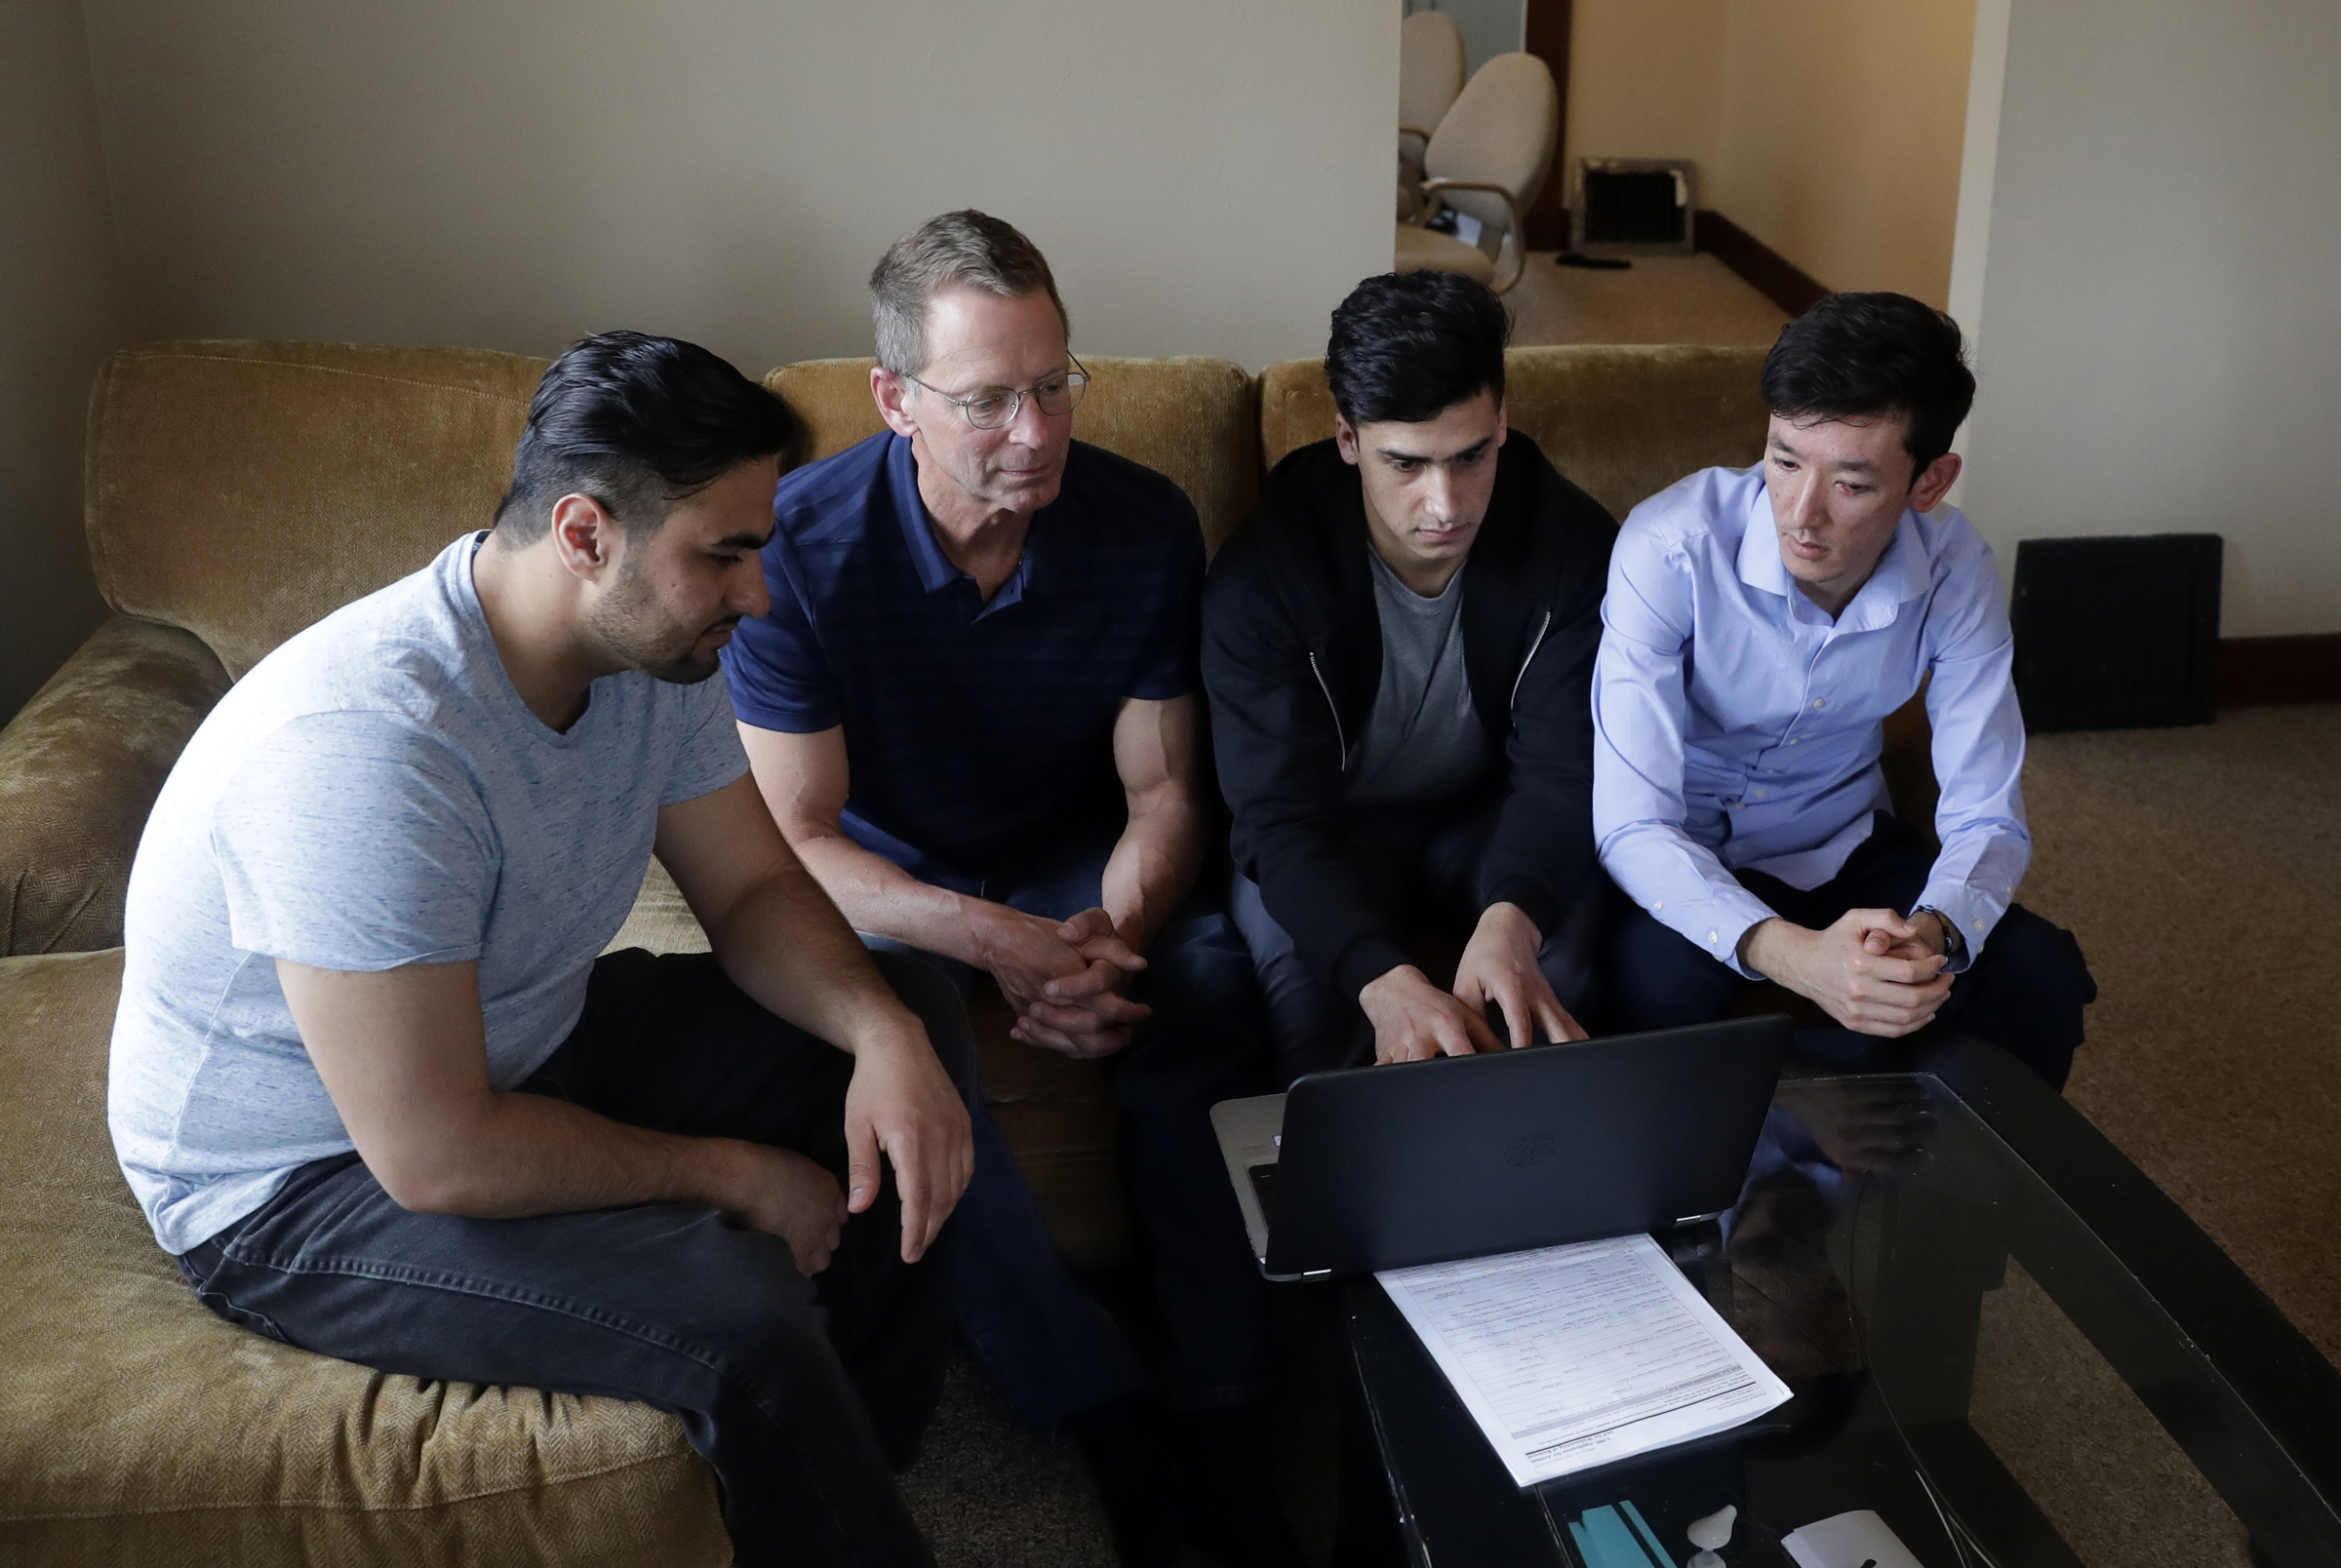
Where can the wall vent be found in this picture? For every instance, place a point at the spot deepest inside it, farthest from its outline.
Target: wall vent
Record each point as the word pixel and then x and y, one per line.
pixel 2118 633
pixel 1633 206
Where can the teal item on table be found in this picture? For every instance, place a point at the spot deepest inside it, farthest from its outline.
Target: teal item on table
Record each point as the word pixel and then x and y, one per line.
pixel 1605 1539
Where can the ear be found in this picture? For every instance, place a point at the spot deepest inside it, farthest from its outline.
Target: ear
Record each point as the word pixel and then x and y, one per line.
pixel 586 539
pixel 892 394
pixel 1503 420
pixel 1935 483
pixel 1345 439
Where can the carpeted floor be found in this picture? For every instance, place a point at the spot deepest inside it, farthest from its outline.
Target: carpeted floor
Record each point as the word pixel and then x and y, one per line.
pixel 2202 871
pixel 1659 300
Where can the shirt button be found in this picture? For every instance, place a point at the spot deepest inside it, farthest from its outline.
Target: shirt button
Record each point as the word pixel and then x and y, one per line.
pixel 1819 703
pixel 1710 936
pixel 1792 740
pixel 1979 928
pixel 1760 795
pixel 1657 905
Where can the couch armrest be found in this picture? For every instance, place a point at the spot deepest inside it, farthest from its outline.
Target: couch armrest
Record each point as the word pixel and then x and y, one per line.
pixel 79 770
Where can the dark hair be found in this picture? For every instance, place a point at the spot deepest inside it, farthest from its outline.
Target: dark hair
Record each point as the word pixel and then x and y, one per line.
pixel 1861 356
pixel 1409 344
pixel 638 424
pixel 963 249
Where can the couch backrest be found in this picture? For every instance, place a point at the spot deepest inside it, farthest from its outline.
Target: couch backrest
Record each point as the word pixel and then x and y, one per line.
pixel 241 491
pixel 1623 421
pixel 1194 418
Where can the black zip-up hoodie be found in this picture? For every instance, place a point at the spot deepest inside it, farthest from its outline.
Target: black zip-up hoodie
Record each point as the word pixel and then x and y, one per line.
pixel 1292 660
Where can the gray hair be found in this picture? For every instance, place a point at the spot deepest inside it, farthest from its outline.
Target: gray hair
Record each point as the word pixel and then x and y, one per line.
pixel 963 249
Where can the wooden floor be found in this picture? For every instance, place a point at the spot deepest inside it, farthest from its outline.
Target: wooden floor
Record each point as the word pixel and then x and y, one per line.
pixel 1659 299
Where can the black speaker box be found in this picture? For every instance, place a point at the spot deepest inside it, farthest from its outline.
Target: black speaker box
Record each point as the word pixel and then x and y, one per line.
pixel 2118 633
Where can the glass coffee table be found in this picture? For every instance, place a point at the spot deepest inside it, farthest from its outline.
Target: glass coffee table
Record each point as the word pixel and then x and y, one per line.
pixel 2001 1337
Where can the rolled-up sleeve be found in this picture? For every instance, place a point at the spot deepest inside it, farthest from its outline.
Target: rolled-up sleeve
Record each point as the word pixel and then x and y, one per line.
pixel 1639 711
pixel 1978 756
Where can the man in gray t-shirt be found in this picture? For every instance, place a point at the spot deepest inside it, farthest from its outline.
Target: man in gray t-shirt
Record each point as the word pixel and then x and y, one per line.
pixel 375 1087
pixel 1398 647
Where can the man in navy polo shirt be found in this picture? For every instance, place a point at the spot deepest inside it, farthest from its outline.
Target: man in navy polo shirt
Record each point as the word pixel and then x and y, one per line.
pixel 973 710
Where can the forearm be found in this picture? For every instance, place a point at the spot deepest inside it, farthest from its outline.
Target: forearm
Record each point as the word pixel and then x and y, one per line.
pixel 787 944
pixel 518 1154
pixel 878 896
pixel 1152 869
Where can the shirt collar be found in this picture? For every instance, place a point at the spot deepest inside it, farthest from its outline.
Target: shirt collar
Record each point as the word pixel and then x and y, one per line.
pixel 934 569
pixel 1899 576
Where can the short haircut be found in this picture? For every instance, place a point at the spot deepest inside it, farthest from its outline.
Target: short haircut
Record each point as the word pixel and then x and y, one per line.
pixel 638 424
pixel 1407 345
pixel 962 249
pixel 1866 356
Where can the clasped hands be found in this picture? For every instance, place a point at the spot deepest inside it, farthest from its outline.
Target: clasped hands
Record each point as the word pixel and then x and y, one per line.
pixel 1066 980
pixel 1414 1020
pixel 1872 970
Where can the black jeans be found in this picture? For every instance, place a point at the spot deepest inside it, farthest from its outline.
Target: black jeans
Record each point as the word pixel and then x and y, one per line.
pixel 803 1395
pixel 1047 1345
pixel 1425 860
pixel 2024 993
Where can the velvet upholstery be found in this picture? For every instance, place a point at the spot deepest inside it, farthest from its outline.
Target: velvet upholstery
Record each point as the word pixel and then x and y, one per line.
pixel 1623 421
pixel 241 491
pixel 79 770
pixel 1190 417
pixel 137 1427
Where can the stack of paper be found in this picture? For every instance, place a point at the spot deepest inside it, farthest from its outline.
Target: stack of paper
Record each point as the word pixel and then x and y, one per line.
pixel 1574 1357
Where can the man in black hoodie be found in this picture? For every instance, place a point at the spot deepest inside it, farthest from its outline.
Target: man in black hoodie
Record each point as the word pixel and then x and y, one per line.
pixel 1398 648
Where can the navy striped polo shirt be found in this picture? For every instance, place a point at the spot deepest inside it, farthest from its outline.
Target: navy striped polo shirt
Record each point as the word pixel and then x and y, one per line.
pixel 976 734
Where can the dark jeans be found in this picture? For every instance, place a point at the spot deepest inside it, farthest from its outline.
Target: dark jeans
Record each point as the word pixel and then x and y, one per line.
pixel 2024 992
pixel 1043 1341
pixel 1425 860
pixel 803 1395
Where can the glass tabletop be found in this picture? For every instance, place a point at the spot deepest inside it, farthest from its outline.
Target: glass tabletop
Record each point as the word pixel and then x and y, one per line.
pixel 1999 1336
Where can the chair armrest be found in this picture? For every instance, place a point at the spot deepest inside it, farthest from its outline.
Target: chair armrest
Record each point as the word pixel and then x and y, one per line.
pixel 80 766
pixel 1519 229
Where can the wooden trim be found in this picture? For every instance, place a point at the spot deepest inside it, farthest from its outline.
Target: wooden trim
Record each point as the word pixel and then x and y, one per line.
pixel 2265 671
pixel 1545 35
pixel 1771 274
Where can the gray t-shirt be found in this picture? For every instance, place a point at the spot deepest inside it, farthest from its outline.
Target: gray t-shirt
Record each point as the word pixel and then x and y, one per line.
pixel 1424 740
pixel 375 794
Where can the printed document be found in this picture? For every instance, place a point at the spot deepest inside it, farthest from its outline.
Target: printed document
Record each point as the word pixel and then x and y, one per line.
pixel 1580 1356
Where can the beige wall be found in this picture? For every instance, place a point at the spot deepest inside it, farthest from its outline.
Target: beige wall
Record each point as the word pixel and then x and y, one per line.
pixel 1645 80
pixel 1843 122
pixel 1206 175
pixel 1831 129
pixel 2152 281
pixel 58 321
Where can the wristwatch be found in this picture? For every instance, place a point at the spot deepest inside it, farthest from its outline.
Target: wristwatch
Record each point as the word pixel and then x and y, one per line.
pixel 1954 946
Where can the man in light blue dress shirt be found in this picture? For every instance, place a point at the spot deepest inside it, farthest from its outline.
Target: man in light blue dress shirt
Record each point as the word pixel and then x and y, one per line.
pixel 1758 627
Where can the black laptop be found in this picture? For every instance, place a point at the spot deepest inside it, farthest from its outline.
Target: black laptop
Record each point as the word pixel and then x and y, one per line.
pixel 1384 1168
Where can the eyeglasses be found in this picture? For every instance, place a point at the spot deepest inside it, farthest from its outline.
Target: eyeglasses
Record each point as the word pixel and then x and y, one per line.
pixel 1056 396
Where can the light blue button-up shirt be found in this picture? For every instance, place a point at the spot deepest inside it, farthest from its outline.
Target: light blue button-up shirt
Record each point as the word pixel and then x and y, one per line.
pixel 1736 727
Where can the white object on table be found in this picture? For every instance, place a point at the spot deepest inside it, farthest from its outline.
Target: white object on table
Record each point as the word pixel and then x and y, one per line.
pixel 1848 1541
pixel 1580 1356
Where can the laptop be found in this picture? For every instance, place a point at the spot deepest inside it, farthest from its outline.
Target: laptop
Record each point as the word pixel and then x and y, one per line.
pixel 1463 1156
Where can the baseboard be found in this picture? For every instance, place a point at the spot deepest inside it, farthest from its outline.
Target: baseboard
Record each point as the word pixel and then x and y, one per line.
pixel 2265 671
pixel 1771 274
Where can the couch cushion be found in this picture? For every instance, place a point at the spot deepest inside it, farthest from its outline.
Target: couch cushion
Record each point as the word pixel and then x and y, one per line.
pixel 1621 421
pixel 1192 418
pixel 80 766
pixel 243 490
pixel 135 1427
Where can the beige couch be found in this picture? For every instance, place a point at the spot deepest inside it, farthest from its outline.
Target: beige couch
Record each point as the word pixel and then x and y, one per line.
pixel 236 493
